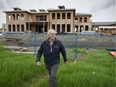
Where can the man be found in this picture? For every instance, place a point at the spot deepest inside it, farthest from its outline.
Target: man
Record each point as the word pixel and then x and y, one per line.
pixel 51 49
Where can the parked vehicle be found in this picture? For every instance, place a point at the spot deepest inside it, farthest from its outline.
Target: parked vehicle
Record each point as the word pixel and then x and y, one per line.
pixel 88 33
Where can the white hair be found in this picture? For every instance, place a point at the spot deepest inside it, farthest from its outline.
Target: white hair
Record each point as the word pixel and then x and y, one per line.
pixel 51 31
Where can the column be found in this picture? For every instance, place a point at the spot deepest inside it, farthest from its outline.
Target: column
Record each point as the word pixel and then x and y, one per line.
pixel 60 27
pixel 83 27
pixel 15 27
pixel 66 28
pixel 11 28
pixel 20 27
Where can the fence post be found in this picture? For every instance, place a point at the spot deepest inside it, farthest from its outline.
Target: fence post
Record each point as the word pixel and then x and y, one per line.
pixel 34 42
pixel 75 50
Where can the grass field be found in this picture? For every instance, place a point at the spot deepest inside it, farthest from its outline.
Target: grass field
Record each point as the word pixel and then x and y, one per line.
pixel 94 68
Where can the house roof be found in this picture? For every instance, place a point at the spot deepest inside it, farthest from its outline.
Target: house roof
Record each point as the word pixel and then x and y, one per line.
pixel 61 9
pixel 16 11
pixel 109 27
pixel 20 11
pixel 82 14
pixel 104 23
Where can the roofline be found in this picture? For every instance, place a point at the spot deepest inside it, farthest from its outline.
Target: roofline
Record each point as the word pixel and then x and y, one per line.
pixel 16 11
pixel 107 26
pixel 103 23
pixel 82 14
pixel 26 12
pixel 61 9
pixel 39 12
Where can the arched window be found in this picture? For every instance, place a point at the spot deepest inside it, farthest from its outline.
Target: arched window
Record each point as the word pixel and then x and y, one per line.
pixel 53 15
pixel 9 17
pixel 22 16
pixel 18 17
pixel 85 19
pixel 68 15
pixel 58 15
pixel 80 19
pixel 63 15
pixel 13 16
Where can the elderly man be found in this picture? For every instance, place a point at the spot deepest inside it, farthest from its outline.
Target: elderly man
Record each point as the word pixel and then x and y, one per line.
pixel 51 49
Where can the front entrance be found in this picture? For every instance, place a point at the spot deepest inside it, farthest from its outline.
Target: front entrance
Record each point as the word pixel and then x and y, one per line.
pixel 40 28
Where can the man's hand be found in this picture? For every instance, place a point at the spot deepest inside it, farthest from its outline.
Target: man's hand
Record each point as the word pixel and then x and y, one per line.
pixel 38 63
pixel 65 62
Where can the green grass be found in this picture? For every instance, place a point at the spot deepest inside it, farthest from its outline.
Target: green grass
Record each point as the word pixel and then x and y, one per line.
pixel 95 69
pixel 18 69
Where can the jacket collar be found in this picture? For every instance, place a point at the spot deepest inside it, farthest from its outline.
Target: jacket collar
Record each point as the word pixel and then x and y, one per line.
pixel 47 41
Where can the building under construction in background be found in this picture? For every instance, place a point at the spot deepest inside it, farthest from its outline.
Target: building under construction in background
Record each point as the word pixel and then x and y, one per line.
pixel 63 20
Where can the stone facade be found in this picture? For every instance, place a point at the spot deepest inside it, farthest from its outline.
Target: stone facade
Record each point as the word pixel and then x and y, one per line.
pixel 61 19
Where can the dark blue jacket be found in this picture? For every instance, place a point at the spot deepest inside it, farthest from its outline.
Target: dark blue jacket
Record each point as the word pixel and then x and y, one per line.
pixel 54 56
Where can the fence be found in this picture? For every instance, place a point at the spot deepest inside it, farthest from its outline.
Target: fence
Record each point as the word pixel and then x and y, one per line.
pixel 30 42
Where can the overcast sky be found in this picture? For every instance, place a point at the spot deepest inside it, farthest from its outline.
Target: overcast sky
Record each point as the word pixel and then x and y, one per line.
pixel 101 10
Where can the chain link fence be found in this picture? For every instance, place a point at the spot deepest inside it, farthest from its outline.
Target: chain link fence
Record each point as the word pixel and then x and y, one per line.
pixel 30 42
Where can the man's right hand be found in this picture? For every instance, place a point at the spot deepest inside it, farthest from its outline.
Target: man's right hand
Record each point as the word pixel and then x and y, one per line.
pixel 38 63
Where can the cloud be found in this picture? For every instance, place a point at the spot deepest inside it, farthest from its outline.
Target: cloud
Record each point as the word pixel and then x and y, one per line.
pixel 108 4
pixel 104 15
pixel 102 5
pixel 3 4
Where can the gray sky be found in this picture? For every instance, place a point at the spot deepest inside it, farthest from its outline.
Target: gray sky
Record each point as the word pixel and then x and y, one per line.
pixel 101 10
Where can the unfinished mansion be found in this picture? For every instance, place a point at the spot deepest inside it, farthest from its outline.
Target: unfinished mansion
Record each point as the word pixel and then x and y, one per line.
pixel 61 20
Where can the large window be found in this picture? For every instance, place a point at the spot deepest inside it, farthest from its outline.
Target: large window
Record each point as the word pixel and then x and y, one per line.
pixel 18 17
pixel 13 28
pixel 81 19
pixel 22 16
pixel 22 28
pixel 58 15
pixel 68 15
pixel 53 15
pixel 81 28
pixel 13 16
pixel 53 26
pixel 68 27
pixel 76 28
pixel 86 28
pixel 9 27
pixel 41 18
pixel 63 27
pixel 76 20
pixel 63 15
pixel 18 28
pixel 58 28
pixel 9 17
pixel 85 19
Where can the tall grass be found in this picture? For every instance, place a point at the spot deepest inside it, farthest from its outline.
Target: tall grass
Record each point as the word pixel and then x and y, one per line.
pixel 1 47
pixel 17 70
pixel 97 69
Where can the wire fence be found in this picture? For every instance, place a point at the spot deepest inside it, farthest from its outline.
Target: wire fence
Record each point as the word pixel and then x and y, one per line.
pixel 30 42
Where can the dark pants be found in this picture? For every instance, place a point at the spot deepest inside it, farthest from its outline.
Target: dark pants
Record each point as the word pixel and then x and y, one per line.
pixel 52 72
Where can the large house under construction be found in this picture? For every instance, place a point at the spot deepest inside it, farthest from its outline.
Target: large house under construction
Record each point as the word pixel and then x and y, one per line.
pixel 61 19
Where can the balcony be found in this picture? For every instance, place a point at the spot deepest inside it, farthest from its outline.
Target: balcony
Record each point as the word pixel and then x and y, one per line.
pixel 41 18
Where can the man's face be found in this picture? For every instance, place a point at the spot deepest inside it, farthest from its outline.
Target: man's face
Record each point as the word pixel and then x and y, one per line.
pixel 52 36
